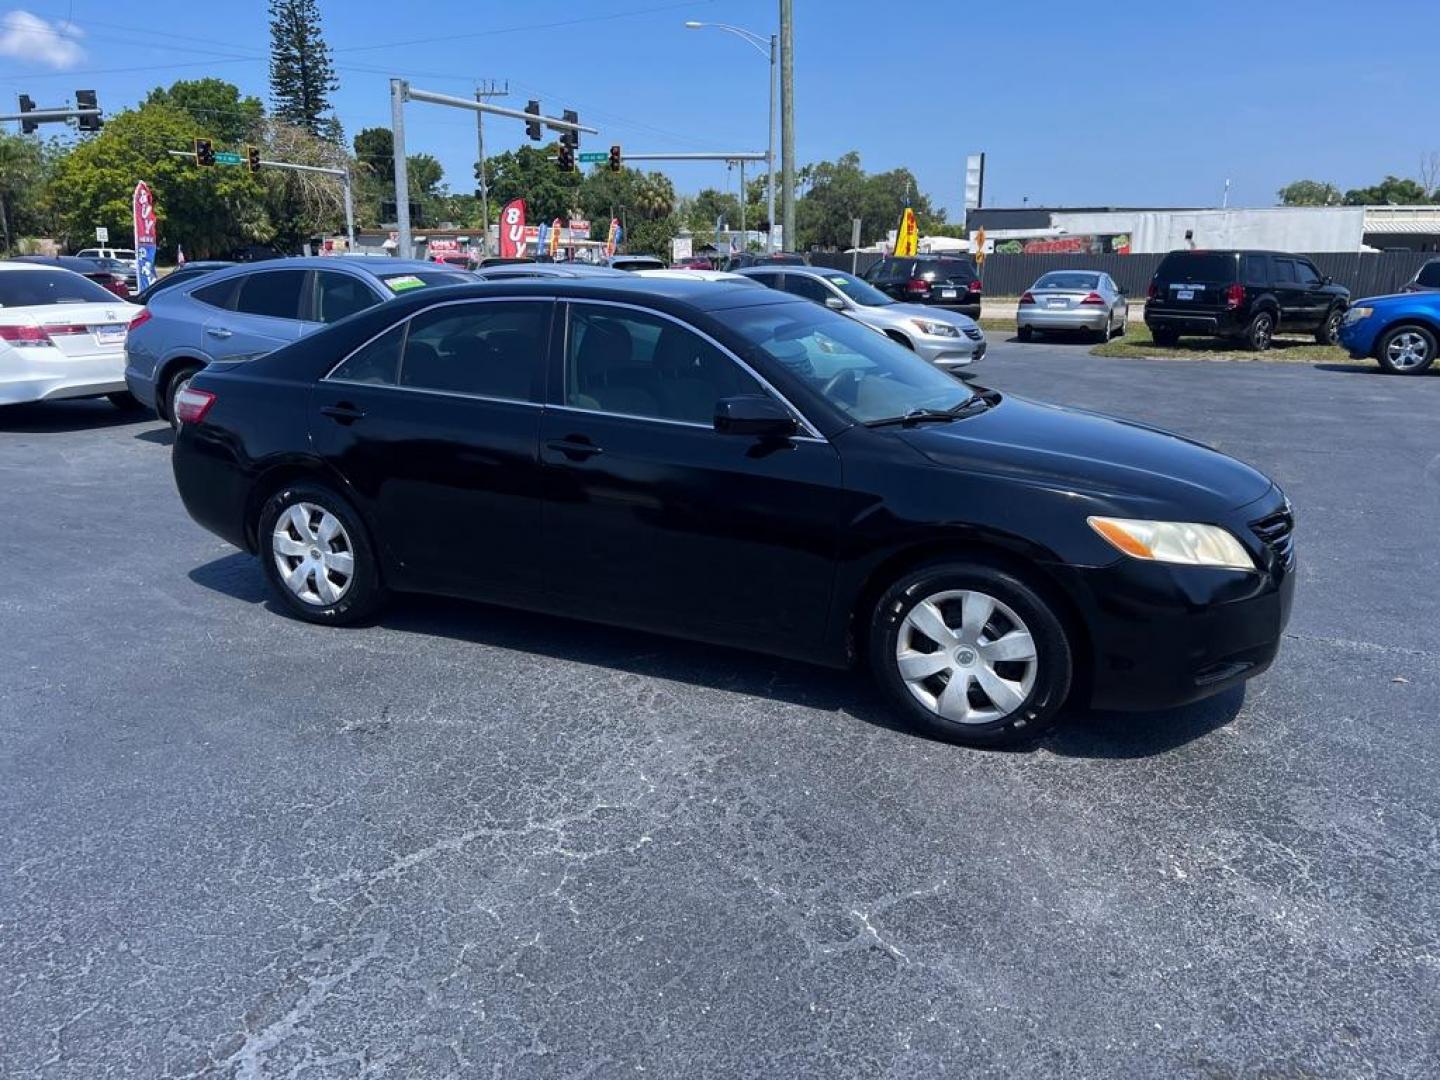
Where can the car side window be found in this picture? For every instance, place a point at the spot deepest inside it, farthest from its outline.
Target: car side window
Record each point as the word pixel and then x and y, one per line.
pixel 1306 273
pixel 1429 275
pixel 272 293
pixel 377 363
pixel 769 280
pixel 618 360
pixel 881 271
pixel 1255 270
pixel 1285 271
pixel 486 349
pixel 220 294
pixel 808 287
pixel 338 295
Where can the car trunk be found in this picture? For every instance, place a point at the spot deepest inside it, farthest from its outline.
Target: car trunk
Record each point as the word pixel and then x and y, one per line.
pixel 1059 299
pixel 85 331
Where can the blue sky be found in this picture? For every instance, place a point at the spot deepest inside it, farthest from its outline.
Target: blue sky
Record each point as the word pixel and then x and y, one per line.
pixel 1118 104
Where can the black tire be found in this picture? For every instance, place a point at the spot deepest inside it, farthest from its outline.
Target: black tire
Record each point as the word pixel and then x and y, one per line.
pixel 124 401
pixel 1039 709
pixel 1024 334
pixel 1102 335
pixel 1164 336
pixel 179 379
pixel 1260 332
pixel 1424 346
pixel 1328 332
pixel 363 594
pixel 1124 326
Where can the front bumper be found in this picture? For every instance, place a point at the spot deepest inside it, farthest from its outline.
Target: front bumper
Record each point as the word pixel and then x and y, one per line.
pixel 1358 338
pixel 1034 317
pixel 949 352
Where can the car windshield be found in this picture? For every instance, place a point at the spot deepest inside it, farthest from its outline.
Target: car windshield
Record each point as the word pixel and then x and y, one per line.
pixel 30 288
pixel 419 279
pixel 1060 280
pixel 865 375
pixel 862 292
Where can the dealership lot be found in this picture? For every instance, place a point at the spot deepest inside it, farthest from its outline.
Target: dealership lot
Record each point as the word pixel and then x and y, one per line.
pixel 464 840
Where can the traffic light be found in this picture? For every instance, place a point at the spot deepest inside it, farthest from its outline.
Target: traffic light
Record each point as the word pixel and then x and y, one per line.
pixel 27 104
pixel 615 159
pixel 532 127
pixel 566 160
pixel 86 99
pixel 252 158
pixel 204 152
pixel 571 138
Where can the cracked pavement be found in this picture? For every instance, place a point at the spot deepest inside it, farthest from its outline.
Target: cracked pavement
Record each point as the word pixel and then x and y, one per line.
pixel 466 842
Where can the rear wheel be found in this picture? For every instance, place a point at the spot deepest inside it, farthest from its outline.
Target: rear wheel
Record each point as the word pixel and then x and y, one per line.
pixel 317 557
pixel 1329 331
pixel 124 401
pixel 178 382
pixel 1260 332
pixel 971 654
pixel 1407 350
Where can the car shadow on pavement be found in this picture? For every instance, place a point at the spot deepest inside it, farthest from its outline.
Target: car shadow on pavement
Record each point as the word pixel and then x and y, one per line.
pixel 160 436
pixel 1359 367
pixel 1098 735
pixel 57 417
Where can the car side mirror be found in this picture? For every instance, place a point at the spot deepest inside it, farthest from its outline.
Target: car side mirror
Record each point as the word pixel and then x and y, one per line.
pixel 1328 280
pixel 755 415
pixel 834 303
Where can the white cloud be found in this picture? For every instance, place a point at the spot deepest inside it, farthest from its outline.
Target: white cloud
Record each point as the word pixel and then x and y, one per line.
pixel 29 37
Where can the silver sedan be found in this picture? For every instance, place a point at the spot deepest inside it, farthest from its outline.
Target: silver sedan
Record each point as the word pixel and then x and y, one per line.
pixel 1085 300
pixel 947 339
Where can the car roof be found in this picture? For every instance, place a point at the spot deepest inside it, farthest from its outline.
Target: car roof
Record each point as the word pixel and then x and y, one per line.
pixel 699 295
pixel 67 262
pixel 370 267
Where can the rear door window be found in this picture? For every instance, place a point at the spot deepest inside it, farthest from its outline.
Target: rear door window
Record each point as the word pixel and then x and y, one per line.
pixel 1256 270
pixel 1285 272
pixel 770 280
pixel 274 294
pixel 808 287
pixel 377 363
pixel 486 349
pixel 220 294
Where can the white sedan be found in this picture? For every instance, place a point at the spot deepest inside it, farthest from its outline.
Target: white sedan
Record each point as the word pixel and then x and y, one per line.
pixel 61 336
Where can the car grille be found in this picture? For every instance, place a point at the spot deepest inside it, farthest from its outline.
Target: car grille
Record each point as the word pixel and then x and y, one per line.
pixel 973 333
pixel 1277 530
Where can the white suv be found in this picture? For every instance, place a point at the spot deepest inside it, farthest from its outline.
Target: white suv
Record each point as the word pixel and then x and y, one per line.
pixel 125 255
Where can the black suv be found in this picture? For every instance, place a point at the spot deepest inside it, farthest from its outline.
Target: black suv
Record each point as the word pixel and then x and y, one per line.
pixel 1248 295
pixel 948 281
pixel 742 259
pixel 1426 279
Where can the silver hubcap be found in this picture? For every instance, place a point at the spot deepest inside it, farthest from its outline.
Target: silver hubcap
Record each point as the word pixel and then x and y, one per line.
pixel 1407 350
pixel 313 554
pixel 966 656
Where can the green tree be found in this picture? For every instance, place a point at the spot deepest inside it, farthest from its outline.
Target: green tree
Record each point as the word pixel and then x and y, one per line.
pixel 217 106
pixel 838 191
pixel 1309 193
pixel 710 206
pixel 375 151
pixel 25 167
pixel 644 202
pixel 302 205
pixel 1393 190
pixel 208 210
pixel 302 74
pixel 529 174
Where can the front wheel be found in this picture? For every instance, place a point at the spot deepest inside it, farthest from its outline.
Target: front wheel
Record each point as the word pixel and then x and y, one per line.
pixel 971 654
pixel 317 556
pixel 1407 350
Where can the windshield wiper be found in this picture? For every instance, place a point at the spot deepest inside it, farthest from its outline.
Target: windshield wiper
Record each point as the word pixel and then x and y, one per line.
pixel 918 416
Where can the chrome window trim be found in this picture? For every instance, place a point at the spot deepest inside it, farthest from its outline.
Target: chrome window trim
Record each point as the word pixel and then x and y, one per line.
pixel 804 422
pixel 437 393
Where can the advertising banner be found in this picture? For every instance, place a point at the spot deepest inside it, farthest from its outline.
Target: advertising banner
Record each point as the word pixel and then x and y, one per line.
pixel 613 237
pixel 142 207
pixel 512 229
pixel 907 239
pixel 554 238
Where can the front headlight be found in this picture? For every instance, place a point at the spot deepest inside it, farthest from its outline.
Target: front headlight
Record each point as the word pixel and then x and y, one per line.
pixel 935 329
pixel 1355 314
pixel 1185 542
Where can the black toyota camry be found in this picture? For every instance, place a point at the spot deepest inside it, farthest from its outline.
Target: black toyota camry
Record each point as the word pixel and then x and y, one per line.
pixel 742 467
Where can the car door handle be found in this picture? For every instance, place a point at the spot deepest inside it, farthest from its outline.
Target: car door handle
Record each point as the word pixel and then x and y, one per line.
pixel 218 331
pixel 343 412
pixel 574 448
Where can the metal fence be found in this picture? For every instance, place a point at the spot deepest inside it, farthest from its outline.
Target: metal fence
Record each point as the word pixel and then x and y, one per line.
pixel 1364 274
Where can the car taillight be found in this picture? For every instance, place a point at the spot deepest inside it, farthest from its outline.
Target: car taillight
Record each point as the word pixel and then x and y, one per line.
pixel 192 405
pixel 140 319
pixel 25 337
pixel 1234 296
pixel 974 286
pixel 917 285
pixel 1027 297
pixel 1094 298
pixel 1152 292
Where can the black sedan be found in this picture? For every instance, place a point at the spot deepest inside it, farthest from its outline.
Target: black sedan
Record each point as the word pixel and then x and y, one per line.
pixel 745 468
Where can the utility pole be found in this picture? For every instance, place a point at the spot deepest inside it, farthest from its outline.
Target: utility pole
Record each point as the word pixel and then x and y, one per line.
pixel 488 89
pixel 787 119
pixel 405 248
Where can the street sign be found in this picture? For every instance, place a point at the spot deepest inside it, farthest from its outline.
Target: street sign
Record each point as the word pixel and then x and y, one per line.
pixel 102 234
pixel 227 157
pixel 592 158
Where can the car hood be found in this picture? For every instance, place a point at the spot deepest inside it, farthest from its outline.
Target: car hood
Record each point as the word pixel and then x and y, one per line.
pixel 1397 298
pixel 927 312
pixel 1134 467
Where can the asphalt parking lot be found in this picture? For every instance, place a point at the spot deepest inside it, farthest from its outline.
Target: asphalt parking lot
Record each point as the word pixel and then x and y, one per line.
pixel 469 842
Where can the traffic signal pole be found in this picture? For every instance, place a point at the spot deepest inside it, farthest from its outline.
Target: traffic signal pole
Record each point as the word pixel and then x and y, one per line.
pixel 401 92
pixel 343 175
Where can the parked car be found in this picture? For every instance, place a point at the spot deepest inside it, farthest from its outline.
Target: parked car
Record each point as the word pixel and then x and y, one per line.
pixel 503 260
pixel 1425 279
pixel 126 272
pixel 741 259
pixel 181 274
pixel 61 336
pixel 949 281
pixel 245 310
pixel 518 271
pixel 749 469
pixel 125 255
pixel 459 260
pixel 947 339
pixel 1247 295
pixel 673 274
pixel 1400 332
pixel 114 279
pixel 694 262
pixel 632 263
pixel 1085 300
